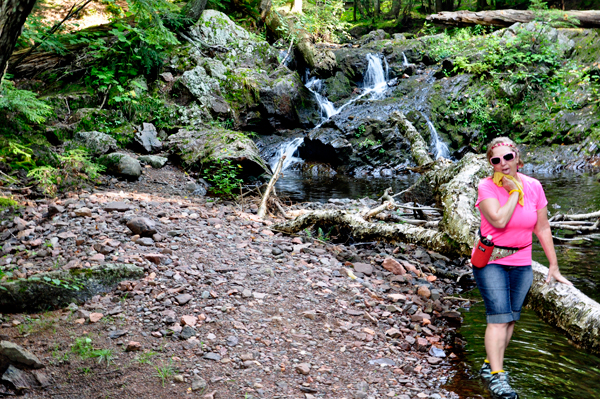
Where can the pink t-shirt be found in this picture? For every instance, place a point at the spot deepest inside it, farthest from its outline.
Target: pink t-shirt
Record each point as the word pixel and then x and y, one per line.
pixel 517 232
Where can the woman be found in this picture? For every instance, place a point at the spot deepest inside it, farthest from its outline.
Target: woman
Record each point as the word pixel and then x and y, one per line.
pixel 511 210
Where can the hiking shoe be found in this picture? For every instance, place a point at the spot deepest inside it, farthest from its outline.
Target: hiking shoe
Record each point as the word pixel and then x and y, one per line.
pixel 486 373
pixel 499 387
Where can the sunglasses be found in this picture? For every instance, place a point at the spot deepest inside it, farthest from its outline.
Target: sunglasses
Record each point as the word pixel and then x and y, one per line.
pixel 507 157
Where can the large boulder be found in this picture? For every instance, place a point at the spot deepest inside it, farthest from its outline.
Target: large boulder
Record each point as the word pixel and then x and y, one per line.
pixel 206 144
pixel 216 29
pixel 122 165
pixel 97 143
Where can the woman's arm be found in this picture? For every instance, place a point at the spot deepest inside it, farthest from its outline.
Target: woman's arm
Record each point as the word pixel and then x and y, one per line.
pixel 499 216
pixel 544 234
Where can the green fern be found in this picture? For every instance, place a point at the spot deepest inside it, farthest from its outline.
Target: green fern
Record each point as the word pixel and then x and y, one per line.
pixel 23 101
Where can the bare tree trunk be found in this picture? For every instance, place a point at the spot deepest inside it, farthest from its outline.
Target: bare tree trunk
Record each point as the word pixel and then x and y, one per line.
pixel 355 6
pixel 194 9
pixel 395 11
pixel 13 14
pixel 296 7
pixel 376 9
pixel 503 18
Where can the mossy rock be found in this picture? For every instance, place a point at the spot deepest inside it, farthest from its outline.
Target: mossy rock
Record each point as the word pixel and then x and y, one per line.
pixel 55 289
pixel 205 144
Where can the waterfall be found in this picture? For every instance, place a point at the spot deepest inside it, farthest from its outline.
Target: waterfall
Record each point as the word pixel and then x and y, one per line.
pixel 327 108
pixel 288 149
pixel 438 147
pixel 404 60
pixel 374 83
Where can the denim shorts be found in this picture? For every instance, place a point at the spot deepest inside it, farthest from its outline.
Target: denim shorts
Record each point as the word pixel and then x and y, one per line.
pixel 503 289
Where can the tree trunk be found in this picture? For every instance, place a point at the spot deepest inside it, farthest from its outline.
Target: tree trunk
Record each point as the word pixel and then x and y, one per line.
pixel 503 18
pixel 194 9
pixel 13 14
pixel 395 11
pixel 376 8
pixel 355 6
pixel 296 7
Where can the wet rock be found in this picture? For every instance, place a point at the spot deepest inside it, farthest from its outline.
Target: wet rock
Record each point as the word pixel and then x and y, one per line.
pixel 142 226
pixel 18 354
pixel 121 165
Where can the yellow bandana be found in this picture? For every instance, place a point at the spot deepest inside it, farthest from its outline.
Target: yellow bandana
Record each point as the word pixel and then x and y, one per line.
pixel 498 180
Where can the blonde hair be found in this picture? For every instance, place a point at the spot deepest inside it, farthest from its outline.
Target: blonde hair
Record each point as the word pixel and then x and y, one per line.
pixel 504 141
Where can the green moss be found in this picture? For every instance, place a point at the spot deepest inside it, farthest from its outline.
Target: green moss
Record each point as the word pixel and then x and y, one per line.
pixel 7 203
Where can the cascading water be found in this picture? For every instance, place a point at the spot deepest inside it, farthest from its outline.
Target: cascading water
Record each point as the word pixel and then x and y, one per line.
pixel 404 60
pixel 327 108
pixel 375 80
pixel 438 147
pixel 288 149
pixel 374 83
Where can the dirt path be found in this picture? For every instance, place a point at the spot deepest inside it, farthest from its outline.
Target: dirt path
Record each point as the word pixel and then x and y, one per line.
pixel 227 308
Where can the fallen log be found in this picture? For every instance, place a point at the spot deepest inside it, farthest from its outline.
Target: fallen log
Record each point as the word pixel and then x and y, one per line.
pixel 567 308
pixel 365 231
pixel 504 18
pixel 583 216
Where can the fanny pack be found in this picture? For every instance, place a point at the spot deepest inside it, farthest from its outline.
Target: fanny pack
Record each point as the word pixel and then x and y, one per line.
pixel 485 254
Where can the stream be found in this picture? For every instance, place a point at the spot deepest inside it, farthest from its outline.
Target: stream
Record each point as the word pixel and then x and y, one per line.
pixel 541 361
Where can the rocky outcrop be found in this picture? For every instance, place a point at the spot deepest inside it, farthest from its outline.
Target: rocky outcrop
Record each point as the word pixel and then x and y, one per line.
pixel 232 75
pixel 206 144
pixel 96 143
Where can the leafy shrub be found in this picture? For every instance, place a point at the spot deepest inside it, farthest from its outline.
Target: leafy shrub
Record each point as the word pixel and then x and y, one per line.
pixel 223 176
pixel 75 167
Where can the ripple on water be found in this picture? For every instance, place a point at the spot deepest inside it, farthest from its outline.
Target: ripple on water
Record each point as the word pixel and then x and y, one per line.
pixel 540 360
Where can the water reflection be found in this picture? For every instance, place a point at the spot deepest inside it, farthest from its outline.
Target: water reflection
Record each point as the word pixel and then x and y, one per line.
pixel 570 192
pixel 300 187
pixel 540 360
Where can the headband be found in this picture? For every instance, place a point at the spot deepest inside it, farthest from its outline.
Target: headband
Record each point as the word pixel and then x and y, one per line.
pixel 501 144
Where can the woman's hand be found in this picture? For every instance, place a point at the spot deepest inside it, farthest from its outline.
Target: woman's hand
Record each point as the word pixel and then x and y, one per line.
pixel 554 272
pixel 509 185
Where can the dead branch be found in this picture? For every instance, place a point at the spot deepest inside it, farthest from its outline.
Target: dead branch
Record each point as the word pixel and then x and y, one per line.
pixel 583 216
pixel 262 210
